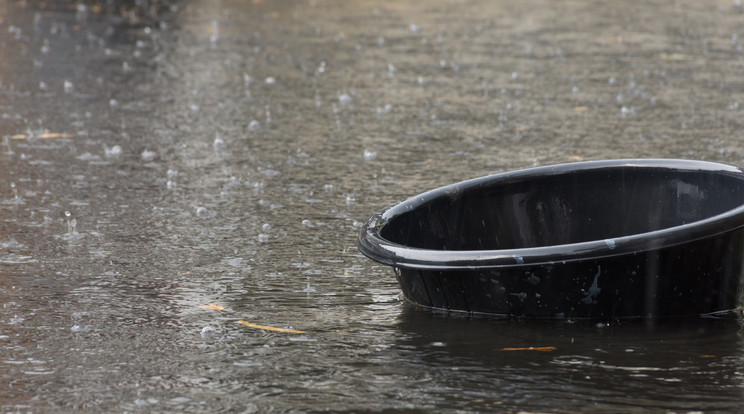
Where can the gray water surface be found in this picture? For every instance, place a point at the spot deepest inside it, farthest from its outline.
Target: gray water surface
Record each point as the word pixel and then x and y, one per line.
pixel 171 168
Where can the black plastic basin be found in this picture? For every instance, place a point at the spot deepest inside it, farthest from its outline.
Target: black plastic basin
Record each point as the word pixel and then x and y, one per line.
pixel 598 239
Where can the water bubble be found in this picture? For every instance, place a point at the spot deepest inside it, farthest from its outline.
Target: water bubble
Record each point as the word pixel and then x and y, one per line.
pixel 113 103
pixel 270 80
pixel 247 80
pixel 202 212
pixel 42 85
pixel 78 328
pixel 384 110
pixel 350 200
pixel 112 152
pixel 266 227
pixel 68 86
pixel 219 144
pixel 306 223
pixel 514 75
pixel 207 332
pixel 171 185
pixel 328 187
pixel 414 29
pixel 369 155
pixel 148 155
pixel 263 238
pixel 420 80
pixel 254 125
pixel 344 99
pixel 612 80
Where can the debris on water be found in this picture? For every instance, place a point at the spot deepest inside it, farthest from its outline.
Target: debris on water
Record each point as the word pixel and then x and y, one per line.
pixel 254 125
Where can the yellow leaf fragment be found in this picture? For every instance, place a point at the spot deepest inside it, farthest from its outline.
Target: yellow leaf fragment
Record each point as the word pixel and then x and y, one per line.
pixel 531 348
pixel 269 328
pixel 707 356
pixel 214 306
pixel 673 56
pixel 581 108
pixel 43 135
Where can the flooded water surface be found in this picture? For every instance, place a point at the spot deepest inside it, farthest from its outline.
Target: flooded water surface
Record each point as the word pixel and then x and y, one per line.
pixel 182 184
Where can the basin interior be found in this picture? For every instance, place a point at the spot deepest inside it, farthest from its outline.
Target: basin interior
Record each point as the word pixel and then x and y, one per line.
pixel 534 210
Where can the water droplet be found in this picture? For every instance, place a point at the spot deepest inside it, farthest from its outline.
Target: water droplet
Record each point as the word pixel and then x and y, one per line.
pixel 112 152
pixel 148 155
pixel 344 99
pixel 207 332
pixel 202 212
